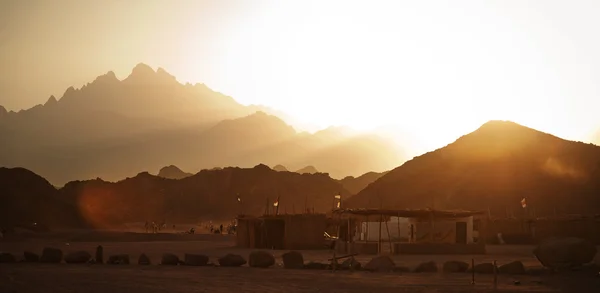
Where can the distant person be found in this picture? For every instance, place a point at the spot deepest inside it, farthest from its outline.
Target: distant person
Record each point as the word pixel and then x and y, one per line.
pixel 221 229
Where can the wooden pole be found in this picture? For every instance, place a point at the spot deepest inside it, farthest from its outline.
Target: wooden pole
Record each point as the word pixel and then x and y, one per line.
pixel 379 240
pixel 367 230
pixel 398 227
pixel 389 237
pixel 472 271
pixel 495 275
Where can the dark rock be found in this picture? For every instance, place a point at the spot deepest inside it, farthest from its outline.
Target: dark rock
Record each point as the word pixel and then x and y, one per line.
pixel 512 268
pixel 144 260
pixel 380 264
pixel 78 257
pixel 426 267
pixel 169 259
pixel 261 259
pixel 293 260
pixel 232 260
pixel 351 264
pixel 559 253
pixel 315 266
pixel 455 266
pixel 99 254
pixel 30 257
pixel 119 259
pixel 51 255
pixel 195 259
pixel 6 257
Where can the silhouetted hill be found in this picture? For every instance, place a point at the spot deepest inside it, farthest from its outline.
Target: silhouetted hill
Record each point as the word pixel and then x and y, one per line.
pixel 308 170
pixel 172 172
pixel 355 184
pixel 495 167
pixel 27 198
pixel 210 194
pixel 113 128
pixel 280 168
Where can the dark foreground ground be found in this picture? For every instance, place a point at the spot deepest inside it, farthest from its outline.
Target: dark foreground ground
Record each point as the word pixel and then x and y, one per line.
pixel 64 278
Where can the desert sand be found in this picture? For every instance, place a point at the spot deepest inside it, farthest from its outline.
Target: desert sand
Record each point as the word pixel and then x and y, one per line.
pixel 24 277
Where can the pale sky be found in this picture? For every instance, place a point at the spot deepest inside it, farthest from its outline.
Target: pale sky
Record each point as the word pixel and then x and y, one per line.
pixel 434 69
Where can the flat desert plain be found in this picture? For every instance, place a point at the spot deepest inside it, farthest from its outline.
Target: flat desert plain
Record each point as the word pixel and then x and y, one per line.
pixel 62 278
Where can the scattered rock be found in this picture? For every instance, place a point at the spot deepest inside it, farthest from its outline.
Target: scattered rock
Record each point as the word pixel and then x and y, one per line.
pixel 78 257
pixel 315 266
pixel 380 264
pixel 293 260
pixel 426 267
pixel 483 268
pixel 261 259
pixel 454 266
pixel 119 259
pixel 195 260
pixel 350 264
pixel 99 254
pixel 30 257
pixel 169 259
pixel 232 260
pixel 513 268
pixel 51 255
pixel 6 257
pixel 559 253
pixel 144 260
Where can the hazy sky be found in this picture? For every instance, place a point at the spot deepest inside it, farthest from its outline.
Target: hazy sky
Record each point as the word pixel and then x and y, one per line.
pixel 436 69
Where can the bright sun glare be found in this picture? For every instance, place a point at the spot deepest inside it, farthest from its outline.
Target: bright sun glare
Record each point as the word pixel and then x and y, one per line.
pixel 433 71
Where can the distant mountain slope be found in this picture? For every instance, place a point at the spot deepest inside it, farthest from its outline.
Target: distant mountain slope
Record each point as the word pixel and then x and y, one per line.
pixel 308 170
pixel 210 194
pixel 355 184
pixel 280 168
pixel 114 128
pixel 495 167
pixel 172 172
pixel 27 198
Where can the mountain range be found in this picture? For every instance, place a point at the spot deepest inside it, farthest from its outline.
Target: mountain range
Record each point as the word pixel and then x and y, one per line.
pixel 209 194
pixel 493 169
pixel 113 128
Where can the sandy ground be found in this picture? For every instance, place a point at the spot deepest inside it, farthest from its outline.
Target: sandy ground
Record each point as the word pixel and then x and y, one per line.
pixel 133 278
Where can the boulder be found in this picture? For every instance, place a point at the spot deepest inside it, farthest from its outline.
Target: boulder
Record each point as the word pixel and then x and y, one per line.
pixel 380 264
pixel 261 259
pixel 51 255
pixel 119 259
pixel 293 260
pixel 512 268
pixel 558 253
pixel 195 260
pixel 315 266
pixel 232 260
pixel 454 266
pixel 426 267
pixel 169 259
pixel 29 256
pixel 6 257
pixel 144 260
pixel 483 268
pixel 78 257
pixel 350 264
pixel 99 254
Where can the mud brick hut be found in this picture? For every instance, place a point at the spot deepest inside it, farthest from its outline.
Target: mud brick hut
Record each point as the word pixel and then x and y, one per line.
pixel 296 231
